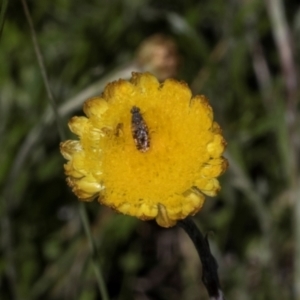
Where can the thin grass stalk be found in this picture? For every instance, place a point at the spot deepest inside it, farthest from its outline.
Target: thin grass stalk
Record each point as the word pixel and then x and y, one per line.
pixel 41 63
pixel 94 252
pixel 4 5
pixel 282 37
pixel 6 222
pixel 82 208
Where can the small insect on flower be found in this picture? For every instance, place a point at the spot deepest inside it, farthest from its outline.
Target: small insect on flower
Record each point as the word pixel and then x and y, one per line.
pixel 139 130
pixel 119 129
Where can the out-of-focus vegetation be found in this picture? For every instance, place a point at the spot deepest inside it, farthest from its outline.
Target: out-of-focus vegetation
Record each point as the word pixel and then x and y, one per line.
pixel 243 55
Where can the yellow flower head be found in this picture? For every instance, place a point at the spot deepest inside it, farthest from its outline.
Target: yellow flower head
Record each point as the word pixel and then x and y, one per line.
pixel 146 149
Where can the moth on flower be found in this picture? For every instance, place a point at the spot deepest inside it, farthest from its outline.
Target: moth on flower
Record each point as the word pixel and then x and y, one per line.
pixel 170 174
pixel 139 130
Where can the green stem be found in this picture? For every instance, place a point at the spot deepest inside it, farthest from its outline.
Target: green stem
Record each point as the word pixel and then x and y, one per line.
pixel 82 209
pixel 2 14
pixel 41 63
pixel 94 252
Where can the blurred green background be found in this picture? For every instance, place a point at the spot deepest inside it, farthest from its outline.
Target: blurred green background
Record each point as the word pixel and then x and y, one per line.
pixel 243 55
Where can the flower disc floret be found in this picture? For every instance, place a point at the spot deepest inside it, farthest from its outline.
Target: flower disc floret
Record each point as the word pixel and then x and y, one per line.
pixel 166 181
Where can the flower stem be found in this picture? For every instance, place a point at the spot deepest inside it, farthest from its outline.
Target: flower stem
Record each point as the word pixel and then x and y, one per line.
pixel 209 265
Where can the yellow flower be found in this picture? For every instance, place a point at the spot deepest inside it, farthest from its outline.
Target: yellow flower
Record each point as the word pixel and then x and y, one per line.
pixel 146 149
